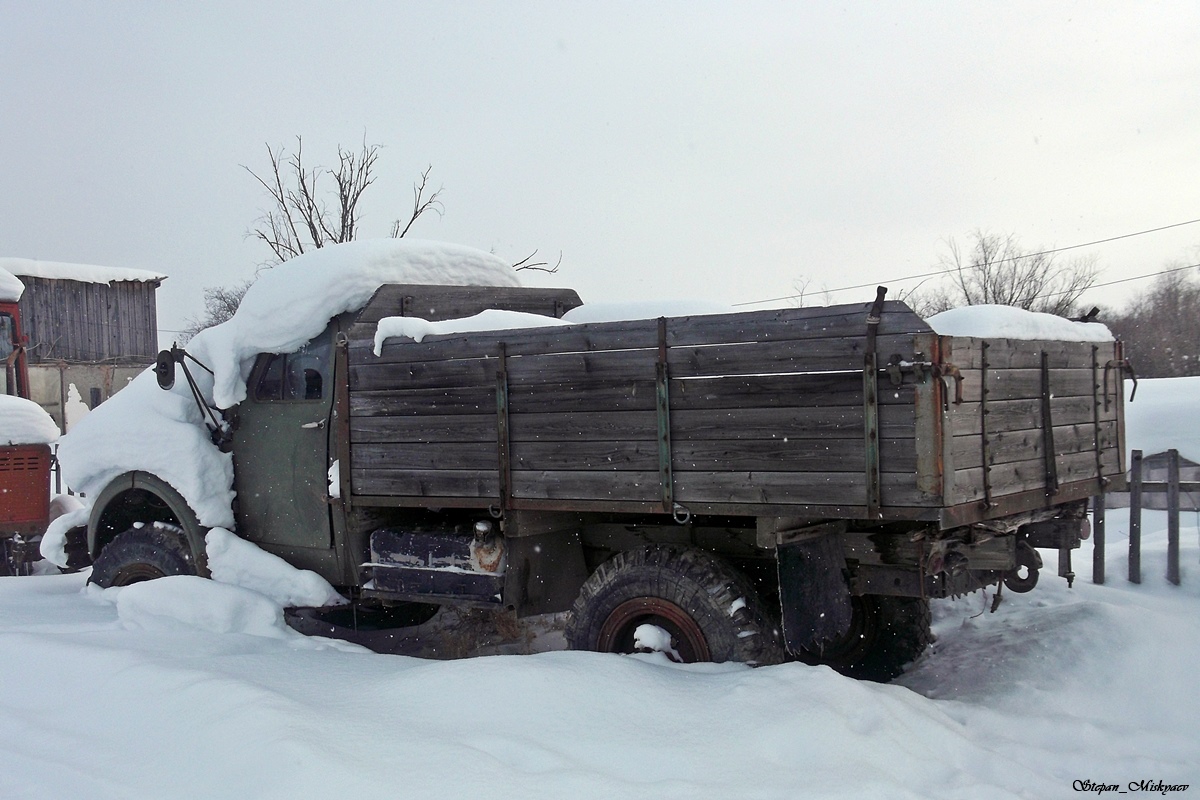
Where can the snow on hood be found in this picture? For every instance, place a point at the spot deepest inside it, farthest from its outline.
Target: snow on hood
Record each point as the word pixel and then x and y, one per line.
pixel 10 287
pixel 162 432
pixel 1009 322
pixel 25 422
pixel 85 273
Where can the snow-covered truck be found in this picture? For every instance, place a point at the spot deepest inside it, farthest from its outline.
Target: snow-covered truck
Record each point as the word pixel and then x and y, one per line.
pixel 748 486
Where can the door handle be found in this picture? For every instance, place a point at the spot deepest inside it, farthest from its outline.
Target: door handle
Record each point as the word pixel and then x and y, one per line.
pixel 318 424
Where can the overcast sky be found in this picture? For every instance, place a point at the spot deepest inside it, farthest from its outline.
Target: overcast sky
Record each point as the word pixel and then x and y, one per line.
pixel 716 151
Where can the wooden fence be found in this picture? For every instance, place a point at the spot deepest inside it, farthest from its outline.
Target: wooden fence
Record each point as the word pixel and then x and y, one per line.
pixel 1172 487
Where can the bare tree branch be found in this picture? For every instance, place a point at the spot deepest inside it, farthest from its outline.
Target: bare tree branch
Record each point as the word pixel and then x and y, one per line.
pixel 420 206
pixel 539 266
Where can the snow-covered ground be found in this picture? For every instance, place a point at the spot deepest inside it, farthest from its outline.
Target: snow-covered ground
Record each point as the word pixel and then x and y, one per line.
pixel 187 688
pixel 183 688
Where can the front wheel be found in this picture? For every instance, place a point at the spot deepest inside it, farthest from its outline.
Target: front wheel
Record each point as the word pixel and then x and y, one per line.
pixel 885 634
pixel 143 553
pixel 686 603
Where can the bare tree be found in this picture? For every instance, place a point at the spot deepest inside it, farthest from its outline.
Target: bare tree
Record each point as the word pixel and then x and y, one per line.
pixel 1161 326
pixel 220 302
pixel 996 270
pixel 303 217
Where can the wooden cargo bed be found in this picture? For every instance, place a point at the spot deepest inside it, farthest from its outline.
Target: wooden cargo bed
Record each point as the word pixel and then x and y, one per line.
pixel 745 414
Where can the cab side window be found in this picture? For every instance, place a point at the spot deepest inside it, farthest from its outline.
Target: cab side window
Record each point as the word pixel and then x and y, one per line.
pixel 302 375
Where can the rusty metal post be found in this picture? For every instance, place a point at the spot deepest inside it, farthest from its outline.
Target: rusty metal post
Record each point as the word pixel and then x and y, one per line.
pixel 1135 517
pixel 1173 516
pixel 871 406
pixel 1098 539
pixel 666 478
pixel 503 434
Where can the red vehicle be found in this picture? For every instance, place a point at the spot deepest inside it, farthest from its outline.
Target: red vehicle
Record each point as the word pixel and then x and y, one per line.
pixel 24 468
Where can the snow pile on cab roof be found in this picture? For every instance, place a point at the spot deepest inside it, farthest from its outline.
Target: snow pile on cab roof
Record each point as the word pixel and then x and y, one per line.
pixel 1009 322
pixel 162 432
pixel 85 273
pixel 10 287
pixel 25 422
pixel 292 303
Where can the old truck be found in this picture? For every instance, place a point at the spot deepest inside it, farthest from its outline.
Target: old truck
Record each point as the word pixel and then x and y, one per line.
pixel 752 486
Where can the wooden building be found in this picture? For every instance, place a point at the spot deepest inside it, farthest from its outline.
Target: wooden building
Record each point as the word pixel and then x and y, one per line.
pixel 82 314
pixel 90 330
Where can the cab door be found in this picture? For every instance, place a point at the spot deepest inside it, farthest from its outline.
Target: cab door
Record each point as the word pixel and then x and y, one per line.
pixel 281 435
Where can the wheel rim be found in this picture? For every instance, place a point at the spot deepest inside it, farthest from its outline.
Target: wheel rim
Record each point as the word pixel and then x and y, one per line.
pixel 136 573
pixel 617 633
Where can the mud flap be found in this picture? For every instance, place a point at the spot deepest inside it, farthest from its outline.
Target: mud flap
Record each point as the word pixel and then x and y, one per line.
pixel 813 592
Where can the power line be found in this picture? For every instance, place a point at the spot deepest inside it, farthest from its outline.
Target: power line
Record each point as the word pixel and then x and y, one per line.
pixel 1126 280
pixel 997 261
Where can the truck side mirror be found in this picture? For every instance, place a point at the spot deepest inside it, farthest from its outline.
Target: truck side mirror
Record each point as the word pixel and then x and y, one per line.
pixel 164 368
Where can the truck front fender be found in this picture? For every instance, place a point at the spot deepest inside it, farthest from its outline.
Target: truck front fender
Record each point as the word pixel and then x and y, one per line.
pixel 142 497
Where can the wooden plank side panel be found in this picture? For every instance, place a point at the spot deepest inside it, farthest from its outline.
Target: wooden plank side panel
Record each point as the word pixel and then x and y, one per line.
pixel 1021 476
pixel 820 390
pixel 425 483
pixel 423 428
pixel 421 402
pixel 1007 446
pixel 808 324
pixel 1023 384
pixel 745 358
pixel 1015 415
pixel 481 455
pixel 797 488
pixel 828 422
pixel 421 374
pixel 967 353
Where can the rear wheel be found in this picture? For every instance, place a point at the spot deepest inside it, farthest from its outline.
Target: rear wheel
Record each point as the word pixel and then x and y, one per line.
pixel 153 550
pixel 686 603
pixel 885 634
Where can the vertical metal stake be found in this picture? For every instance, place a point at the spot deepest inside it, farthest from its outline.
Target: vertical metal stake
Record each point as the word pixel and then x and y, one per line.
pixel 503 438
pixel 1098 539
pixel 1173 516
pixel 666 478
pixel 1135 517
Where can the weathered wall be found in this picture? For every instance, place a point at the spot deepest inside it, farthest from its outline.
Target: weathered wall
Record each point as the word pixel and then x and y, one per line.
pixel 77 321
pixel 50 386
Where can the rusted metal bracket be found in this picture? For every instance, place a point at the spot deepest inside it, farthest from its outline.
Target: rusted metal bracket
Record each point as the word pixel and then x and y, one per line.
pixel 1048 430
pixel 663 404
pixel 341 414
pixel 502 431
pixel 1121 366
pixel 871 405
pixel 948 370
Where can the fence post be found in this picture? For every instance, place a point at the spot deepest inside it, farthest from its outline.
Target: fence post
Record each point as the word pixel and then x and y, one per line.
pixel 1173 516
pixel 1135 517
pixel 1098 539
